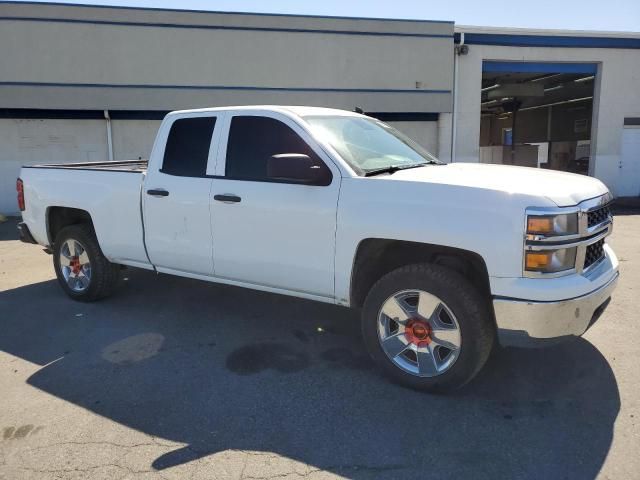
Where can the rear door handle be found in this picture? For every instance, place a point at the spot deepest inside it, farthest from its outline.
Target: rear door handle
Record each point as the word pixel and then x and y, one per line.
pixel 227 198
pixel 158 192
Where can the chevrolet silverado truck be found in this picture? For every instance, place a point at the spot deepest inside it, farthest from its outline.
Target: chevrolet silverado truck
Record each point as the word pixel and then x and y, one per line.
pixel 443 260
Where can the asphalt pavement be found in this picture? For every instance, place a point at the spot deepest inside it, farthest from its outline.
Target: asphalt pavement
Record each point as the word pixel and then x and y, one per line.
pixel 175 378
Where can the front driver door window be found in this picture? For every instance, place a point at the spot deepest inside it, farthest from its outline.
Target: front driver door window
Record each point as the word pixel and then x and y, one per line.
pixel 278 234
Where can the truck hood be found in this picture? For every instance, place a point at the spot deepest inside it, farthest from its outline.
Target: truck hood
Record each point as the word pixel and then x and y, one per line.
pixel 564 189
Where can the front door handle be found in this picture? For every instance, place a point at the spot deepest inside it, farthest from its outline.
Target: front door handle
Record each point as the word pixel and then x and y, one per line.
pixel 158 192
pixel 227 198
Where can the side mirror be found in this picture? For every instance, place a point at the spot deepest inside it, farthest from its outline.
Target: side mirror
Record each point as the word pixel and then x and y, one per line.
pixel 296 167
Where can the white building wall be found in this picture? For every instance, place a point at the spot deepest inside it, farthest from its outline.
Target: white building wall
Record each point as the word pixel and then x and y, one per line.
pixel 29 142
pixel 425 133
pixel 617 97
pixel 133 139
pixel 444 137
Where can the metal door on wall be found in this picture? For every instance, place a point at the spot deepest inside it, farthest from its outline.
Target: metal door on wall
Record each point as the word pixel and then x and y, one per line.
pixel 629 178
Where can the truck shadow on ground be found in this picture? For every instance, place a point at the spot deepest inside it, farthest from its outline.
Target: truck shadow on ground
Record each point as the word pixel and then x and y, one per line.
pixel 8 229
pixel 223 368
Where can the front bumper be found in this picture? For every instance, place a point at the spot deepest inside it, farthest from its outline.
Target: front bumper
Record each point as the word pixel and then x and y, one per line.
pixel 525 323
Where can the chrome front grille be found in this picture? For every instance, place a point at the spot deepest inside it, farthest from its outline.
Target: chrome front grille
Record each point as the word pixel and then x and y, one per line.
pixel 598 216
pixel 594 253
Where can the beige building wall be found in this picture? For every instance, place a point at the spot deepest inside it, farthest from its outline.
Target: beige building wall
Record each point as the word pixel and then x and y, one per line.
pixel 114 58
pixel 78 58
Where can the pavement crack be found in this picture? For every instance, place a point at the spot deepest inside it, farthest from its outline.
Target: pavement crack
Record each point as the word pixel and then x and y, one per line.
pixel 85 469
pixel 103 442
pixel 244 466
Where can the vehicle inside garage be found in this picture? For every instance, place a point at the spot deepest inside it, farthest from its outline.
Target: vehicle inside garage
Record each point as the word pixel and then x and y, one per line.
pixel 537 114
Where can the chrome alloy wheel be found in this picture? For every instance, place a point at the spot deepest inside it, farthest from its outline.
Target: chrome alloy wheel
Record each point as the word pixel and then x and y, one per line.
pixel 75 265
pixel 419 333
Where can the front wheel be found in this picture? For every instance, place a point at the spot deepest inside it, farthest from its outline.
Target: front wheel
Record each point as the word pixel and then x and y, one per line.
pixel 84 273
pixel 427 327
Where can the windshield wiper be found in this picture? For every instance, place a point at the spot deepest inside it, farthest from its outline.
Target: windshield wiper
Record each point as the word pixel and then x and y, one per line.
pixel 391 169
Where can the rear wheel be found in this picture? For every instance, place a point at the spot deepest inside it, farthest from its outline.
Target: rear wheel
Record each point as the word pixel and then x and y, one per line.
pixel 427 327
pixel 82 270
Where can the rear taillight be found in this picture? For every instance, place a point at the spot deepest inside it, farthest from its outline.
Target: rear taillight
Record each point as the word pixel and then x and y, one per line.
pixel 20 190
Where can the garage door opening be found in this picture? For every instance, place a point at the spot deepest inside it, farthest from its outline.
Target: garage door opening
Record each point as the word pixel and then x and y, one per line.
pixel 537 114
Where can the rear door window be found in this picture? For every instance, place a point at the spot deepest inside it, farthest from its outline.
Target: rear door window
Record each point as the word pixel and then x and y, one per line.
pixel 187 149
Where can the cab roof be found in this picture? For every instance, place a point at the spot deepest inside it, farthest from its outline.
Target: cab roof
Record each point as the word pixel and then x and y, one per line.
pixel 298 110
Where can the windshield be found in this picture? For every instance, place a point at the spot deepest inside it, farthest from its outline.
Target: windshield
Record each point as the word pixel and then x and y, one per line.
pixel 367 144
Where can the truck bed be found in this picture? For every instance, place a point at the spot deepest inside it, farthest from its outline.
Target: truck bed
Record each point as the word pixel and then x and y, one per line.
pixel 138 166
pixel 110 192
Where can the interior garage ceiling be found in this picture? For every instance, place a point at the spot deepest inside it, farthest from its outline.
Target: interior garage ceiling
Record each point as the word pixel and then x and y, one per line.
pixel 558 87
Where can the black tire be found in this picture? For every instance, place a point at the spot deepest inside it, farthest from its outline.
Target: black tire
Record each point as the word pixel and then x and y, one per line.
pixel 104 274
pixel 473 315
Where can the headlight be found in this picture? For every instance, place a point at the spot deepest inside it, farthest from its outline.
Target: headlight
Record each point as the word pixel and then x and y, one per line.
pixel 552 225
pixel 550 261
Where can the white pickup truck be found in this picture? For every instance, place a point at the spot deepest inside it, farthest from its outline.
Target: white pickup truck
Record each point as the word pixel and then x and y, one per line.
pixel 338 207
